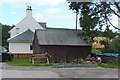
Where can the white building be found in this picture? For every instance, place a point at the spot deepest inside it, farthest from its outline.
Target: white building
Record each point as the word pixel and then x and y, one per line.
pixel 21 36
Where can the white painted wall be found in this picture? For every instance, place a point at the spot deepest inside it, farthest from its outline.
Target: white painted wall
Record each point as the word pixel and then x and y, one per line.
pixel 20 48
pixel 27 23
pixel 13 33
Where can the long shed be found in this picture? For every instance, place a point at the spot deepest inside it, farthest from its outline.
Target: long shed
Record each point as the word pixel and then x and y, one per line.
pixel 62 44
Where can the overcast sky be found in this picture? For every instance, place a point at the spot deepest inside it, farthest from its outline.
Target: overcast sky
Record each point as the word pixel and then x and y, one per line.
pixel 55 13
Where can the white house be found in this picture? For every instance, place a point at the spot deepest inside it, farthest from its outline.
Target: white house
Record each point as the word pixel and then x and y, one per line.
pixel 21 36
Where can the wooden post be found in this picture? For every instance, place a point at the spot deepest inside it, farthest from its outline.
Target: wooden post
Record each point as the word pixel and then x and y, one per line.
pixel 48 62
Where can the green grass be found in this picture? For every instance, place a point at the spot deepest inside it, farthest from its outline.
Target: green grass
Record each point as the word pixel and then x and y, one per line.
pixel 109 65
pixel 25 62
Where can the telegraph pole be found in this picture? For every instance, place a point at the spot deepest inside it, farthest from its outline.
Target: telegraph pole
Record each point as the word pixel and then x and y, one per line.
pixel 76 19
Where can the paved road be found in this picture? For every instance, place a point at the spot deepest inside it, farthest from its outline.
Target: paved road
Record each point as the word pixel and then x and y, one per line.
pixel 88 73
pixel 0 69
pixel 28 74
pixel 8 72
pixel 33 72
pixel 0 74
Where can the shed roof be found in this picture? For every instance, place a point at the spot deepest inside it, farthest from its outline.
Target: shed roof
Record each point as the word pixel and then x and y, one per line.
pixel 43 24
pixel 52 36
pixel 26 36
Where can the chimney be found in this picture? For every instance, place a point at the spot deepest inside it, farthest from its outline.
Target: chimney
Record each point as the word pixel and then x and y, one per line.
pixel 29 11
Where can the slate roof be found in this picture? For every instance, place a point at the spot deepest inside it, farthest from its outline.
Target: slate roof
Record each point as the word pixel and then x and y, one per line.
pixel 26 36
pixel 52 36
pixel 43 24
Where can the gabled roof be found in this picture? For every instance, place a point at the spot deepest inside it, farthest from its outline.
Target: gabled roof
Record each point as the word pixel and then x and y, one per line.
pixel 26 36
pixel 28 23
pixel 52 36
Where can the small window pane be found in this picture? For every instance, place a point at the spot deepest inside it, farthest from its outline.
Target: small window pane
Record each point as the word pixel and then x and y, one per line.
pixel 31 47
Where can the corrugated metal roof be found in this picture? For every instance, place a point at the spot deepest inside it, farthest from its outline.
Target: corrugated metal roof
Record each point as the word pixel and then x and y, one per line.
pixel 52 36
pixel 26 36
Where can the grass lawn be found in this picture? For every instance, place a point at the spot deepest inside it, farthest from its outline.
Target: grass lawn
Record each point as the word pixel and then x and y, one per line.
pixel 25 62
pixel 109 65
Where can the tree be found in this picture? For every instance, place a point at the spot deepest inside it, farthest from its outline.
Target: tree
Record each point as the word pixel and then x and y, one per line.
pixel 111 45
pixel 115 44
pixel 94 16
pixel 4 29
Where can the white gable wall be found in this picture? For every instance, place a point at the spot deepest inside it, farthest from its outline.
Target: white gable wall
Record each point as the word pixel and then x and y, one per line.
pixel 21 48
pixel 27 23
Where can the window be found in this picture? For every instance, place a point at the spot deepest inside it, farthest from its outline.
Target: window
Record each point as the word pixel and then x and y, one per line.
pixel 17 30
pixel 31 47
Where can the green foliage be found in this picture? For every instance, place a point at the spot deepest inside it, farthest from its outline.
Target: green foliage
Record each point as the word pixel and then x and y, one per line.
pixel 115 44
pixel 106 43
pixel 4 29
pixel 111 45
pixel 109 65
pixel 93 17
pixel 96 51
